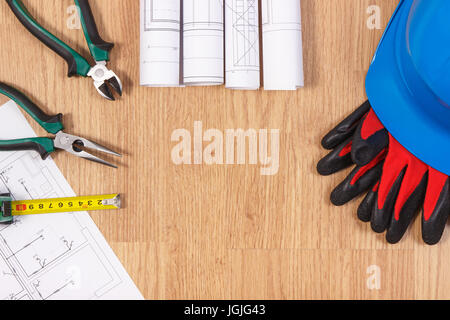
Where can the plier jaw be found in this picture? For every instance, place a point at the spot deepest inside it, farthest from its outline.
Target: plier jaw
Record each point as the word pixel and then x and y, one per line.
pixel 53 125
pixel 75 145
pixel 105 80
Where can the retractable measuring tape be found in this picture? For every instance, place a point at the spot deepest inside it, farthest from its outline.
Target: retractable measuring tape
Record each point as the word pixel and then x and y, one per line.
pixel 10 209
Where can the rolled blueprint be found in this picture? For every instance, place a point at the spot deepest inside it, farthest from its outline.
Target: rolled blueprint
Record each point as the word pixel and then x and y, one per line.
pixel 203 60
pixel 242 44
pixel 160 42
pixel 282 44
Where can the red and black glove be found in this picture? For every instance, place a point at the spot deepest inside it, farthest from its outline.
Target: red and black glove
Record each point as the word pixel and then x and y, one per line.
pixel 341 140
pixel 406 185
pixel 398 191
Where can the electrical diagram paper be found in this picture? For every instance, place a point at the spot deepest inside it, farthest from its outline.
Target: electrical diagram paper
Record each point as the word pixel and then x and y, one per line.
pixel 56 256
pixel 203 61
pixel 160 43
pixel 198 42
pixel 282 44
pixel 242 44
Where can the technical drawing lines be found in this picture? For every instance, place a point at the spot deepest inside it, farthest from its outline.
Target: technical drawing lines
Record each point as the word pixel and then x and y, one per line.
pixel 21 176
pixel 40 250
pixel 203 32
pixel 279 16
pixel 207 14
pixel 242 44
pixel 245 29
pixel 160 42
pixel 60 256
pixel 69 279
pixel 282 44
pixel 161 15
pixel 11 286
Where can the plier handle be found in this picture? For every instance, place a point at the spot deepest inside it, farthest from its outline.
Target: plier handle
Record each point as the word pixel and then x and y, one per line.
pixel 78 65
pixel 53 125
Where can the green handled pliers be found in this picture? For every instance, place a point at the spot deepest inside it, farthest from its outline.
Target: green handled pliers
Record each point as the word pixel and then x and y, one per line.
pixel 102 76
pixel 53 125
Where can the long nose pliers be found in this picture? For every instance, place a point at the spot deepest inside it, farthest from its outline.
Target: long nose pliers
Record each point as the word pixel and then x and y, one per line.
pixel 102 76
pixel 53 125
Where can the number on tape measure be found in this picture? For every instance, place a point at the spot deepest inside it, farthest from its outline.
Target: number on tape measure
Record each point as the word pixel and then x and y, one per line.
pixel 66 205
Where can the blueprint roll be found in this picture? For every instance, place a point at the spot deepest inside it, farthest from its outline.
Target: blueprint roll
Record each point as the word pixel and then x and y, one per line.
pixel 282 44
pixel 203 32
pixel 242 44
pixel 160 43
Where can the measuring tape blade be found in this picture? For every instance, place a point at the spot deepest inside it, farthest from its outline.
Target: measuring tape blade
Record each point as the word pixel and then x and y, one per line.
pixel 62 205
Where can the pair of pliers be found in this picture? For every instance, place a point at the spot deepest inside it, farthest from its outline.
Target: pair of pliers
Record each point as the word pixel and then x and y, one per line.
pixel 53 125
pixel 102 76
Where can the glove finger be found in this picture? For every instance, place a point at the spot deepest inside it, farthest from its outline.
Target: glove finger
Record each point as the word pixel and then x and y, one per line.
pixel 436 207
pixel 387 194
pixel 366 207
pixel 358 181
pixel 346 128
pixel 370 138
pixel 409 200
pixel 337 160
pixel 394 169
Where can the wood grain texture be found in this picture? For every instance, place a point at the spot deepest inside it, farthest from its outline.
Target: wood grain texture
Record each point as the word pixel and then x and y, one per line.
pixel 213 232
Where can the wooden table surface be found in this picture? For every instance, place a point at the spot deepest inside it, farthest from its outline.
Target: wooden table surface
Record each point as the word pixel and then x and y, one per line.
pixel 226 232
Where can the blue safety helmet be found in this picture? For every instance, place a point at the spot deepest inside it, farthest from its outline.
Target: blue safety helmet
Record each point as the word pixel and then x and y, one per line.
pixel 408 83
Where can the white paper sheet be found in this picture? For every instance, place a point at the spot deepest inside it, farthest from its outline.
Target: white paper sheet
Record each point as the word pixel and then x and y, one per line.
pixel 58 256
pixel 160 43
pixel 203 42
pixel 242 44
pixel 282 44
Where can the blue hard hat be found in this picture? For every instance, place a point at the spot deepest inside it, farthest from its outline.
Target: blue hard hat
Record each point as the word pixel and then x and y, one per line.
pixel 408 83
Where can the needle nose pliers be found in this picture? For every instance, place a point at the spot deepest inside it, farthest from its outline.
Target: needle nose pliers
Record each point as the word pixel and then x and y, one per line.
pixel 53 125
pixel 102 76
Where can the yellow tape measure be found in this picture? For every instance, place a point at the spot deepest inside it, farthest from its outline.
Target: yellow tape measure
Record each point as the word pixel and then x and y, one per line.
pixel 61 205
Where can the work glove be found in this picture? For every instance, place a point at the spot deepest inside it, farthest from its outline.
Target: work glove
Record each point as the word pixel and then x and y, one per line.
pixel 397 191
pixel 406 185
pixel 362 127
